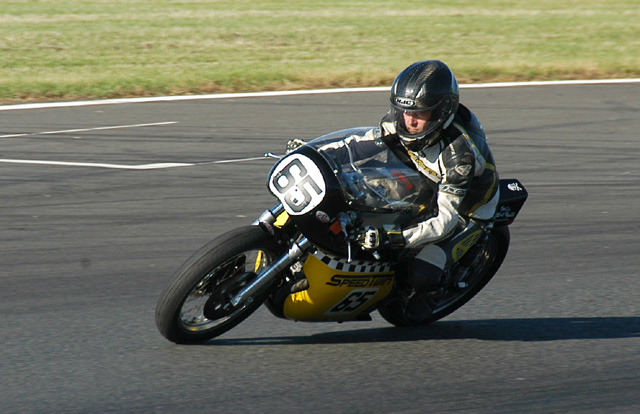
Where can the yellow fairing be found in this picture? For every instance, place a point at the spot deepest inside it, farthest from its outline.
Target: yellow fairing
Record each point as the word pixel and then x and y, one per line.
pixel 338 290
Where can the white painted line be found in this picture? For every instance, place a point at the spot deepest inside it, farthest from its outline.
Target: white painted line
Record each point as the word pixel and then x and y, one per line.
pixel 14 135
pixel 550 83
pixel 68 131
pixel 99 165
pixel 236 160
pixel 141 167
pixel 301 92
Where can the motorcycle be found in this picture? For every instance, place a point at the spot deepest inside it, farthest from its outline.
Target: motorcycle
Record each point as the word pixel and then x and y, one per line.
pixel 303 258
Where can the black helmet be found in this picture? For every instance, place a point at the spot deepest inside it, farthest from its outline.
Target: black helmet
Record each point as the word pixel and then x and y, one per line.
pixel 427 86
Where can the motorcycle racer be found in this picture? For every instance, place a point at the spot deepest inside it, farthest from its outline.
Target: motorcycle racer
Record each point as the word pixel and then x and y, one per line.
pixel 445 141
pixel 432 132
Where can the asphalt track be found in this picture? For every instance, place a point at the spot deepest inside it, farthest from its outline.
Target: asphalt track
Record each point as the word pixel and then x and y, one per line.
pixel 87 246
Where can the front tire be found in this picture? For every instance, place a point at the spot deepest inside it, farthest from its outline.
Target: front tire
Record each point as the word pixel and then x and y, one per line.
pixel 447 300
pixel 195 306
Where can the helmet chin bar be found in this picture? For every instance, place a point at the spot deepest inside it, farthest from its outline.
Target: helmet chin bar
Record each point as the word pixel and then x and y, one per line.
pixel 416 144
pixel 448 121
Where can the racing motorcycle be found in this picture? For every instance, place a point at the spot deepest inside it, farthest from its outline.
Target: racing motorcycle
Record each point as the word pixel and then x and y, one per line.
pixel 304 259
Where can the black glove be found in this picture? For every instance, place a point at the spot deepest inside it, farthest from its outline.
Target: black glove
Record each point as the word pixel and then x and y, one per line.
pixel 375 238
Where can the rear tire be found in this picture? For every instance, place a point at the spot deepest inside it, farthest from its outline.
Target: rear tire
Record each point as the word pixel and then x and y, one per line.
pixel 195 306
pixel 448 300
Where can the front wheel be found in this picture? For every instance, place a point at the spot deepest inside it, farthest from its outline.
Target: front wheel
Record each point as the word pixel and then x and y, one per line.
pixel 473 274
pixel 196 305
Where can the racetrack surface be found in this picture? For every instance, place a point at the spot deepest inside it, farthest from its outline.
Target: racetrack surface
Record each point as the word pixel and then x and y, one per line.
pixel 85 250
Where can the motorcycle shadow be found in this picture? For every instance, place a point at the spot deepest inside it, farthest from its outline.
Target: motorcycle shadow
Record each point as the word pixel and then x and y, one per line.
pixel 524 330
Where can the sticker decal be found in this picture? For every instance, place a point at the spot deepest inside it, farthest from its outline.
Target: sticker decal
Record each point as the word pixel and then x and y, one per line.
pixel 298 183
pixel 514 187
pixel 354 300
pixel 405 102
pixel 505 213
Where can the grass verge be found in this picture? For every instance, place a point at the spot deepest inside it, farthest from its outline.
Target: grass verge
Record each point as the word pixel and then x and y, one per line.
pixel 72 49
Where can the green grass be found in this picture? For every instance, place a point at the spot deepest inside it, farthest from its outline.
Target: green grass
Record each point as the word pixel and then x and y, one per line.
pixel 67 49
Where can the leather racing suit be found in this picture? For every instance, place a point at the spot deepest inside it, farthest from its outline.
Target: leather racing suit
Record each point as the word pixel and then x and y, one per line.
pixel 462 166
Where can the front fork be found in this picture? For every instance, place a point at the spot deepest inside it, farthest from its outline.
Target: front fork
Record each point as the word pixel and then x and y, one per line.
pixel 296 251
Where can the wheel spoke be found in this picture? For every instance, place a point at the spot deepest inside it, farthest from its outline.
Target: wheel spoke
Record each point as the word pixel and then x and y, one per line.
pixel 219 282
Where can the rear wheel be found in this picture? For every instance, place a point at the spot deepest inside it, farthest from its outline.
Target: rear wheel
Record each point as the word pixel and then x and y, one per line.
pixel 196 305
pixel 472 274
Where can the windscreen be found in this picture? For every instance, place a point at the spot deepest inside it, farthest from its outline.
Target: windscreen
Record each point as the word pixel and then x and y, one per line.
pixel 370 174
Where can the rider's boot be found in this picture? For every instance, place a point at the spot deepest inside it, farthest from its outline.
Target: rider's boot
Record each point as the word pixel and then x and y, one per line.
pixel 424 278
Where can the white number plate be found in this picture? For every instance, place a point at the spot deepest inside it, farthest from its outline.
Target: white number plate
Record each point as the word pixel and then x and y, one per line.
pixel 298 183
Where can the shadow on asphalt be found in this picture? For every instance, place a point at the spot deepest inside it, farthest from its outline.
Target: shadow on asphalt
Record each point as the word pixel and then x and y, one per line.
pixel 525 330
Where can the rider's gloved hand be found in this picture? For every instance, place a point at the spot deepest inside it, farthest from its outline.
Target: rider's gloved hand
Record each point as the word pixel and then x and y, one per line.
pixel 374 238
pixel 294 144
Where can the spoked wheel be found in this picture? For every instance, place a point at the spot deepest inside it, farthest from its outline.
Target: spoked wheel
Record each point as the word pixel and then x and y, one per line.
pixel 476 270
pixel 196 305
